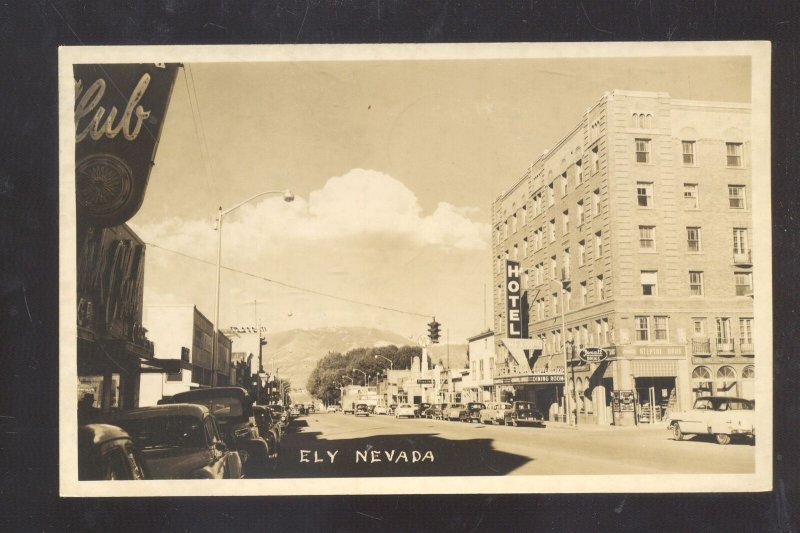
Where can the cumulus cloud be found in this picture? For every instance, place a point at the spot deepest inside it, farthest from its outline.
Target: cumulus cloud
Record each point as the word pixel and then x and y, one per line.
pixel 359 204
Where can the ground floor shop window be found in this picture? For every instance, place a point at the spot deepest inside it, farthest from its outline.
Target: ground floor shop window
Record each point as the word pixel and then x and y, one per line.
pixel 701 382
pixel 726 381
pixel 748 382
pixel 654 395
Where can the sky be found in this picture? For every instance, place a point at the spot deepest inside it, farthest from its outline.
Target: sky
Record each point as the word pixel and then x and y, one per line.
pixel 394 166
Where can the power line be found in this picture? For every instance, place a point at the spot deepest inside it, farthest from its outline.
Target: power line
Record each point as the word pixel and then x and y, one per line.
pixel 289 285
pixel 206 165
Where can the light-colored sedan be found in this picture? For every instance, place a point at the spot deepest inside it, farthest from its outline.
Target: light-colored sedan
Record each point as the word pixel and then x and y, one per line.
pixel 720 416
pixel 381 410
pixel 404 409
pixel 494 413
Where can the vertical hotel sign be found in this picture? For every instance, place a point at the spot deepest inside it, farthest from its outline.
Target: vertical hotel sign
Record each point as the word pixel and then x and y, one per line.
pixel 516 322
pixel 119 113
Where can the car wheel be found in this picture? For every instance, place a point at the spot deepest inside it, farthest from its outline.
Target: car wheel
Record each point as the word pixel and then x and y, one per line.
pixel 723 438
pixel 677 434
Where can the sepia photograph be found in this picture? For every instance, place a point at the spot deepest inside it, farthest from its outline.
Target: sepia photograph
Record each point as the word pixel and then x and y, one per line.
pixel 394 269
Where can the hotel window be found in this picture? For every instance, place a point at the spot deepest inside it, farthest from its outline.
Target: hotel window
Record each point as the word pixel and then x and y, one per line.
pixel 644 194
pixel 580 213
pixel 584 294
pixel 524 215
pixel 661 328
pixel 595 159
pixel 550 195
pixel 598 244
pixel 746 330
pixel 555 302
pixel 605 340
pixel 505 230
pixel 553 267
pixel 695 283
pixel 514 223
pixel 525 280
pixel 688 152
pixel 568 299
pixel 552 229
pixel 740 241
pixel 565 272
pixel 734 154
pixel 723 330
pixel 578 172
pixel 596 202
pixel 744 283
pixel 601 287
pixel 693 239
pixel 649 280
pixel 581 253
pixel 647 237
pixel 699 326
pixel 642 150
pixel 690 197
pixel 515 253
pixel 736 197
pixel 642 328
pixel 565 221
pixel 525 247
pixel 480 368
pixel 564 184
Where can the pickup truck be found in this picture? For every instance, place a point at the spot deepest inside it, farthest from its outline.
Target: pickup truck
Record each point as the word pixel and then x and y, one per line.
pixel 723 417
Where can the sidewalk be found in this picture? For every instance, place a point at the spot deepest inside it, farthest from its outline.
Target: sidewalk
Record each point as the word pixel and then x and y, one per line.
pixel 659 426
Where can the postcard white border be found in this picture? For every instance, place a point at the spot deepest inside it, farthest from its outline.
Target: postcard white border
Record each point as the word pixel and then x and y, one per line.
pixel 760 480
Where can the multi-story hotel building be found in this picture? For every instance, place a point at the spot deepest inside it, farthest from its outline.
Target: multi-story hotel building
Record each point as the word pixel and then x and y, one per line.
pixel 639 223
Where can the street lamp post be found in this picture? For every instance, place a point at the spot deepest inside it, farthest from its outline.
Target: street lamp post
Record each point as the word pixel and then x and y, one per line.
pixel 365 375
pixel 564 347
pixel 288 196
pixel 391 363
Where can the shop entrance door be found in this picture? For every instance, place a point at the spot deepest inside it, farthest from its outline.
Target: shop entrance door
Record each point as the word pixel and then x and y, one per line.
pixel 653 396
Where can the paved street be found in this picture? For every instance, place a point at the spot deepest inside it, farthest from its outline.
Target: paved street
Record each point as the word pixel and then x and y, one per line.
pixel 338 445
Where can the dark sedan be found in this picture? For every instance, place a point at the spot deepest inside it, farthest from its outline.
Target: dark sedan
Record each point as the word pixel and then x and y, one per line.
pixel 233 409
pixel 108 452
pixel 471 412
pixel 523 413
pixel 180 441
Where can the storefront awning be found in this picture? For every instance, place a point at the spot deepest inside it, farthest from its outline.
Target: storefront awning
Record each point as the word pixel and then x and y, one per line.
pixel 170 366
pixel 517 348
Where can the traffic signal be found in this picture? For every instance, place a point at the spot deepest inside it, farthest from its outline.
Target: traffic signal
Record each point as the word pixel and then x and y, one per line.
pixel 433 331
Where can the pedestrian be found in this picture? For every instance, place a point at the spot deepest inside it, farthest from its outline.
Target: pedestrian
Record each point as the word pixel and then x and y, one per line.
pixel 87 412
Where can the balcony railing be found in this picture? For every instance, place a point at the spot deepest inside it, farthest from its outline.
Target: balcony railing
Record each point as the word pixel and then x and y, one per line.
pixel 743 258
pixel 725 347
pixel 746 347
pixel 701 347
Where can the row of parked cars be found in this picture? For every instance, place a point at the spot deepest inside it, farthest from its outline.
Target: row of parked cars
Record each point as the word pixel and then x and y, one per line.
pixel 510 413
pixel 215 433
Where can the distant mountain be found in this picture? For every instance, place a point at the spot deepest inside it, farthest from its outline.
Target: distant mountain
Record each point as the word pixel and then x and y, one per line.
pixel 296 351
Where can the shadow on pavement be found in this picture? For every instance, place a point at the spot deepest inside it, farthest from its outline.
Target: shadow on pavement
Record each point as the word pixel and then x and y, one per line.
pixel 304 454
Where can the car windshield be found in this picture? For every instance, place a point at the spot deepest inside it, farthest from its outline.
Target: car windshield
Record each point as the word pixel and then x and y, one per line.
pixel 734 405
pixel 504 406
pixel 524 406
pixel 405 405
pixel 176 431
pixel 477 406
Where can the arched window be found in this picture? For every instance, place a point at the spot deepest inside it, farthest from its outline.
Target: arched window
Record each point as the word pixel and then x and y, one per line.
pixel 648 121
pixel 701 381
pixel 726 381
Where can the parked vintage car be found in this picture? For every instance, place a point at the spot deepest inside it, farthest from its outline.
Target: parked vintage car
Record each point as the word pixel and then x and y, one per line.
pixel 436 411
pixel 294 412
pixel 381 410
pixel 108 452
pixel 523 413
pixel 180 441
pixel 404 410
pixel 349 410
pixel 332 408
pixel 422 408
pixel 268 428
pixel 280 414
pixel 453 411
pixel 361 409
pixel 723 417
pixel 233 409
pixel 494 413
pixel 471 412
pixel 392 408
